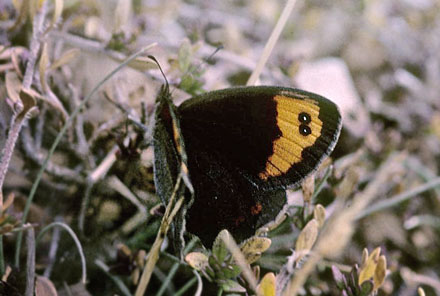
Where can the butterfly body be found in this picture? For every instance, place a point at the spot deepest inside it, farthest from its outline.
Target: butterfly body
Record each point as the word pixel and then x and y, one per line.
pixel 243 147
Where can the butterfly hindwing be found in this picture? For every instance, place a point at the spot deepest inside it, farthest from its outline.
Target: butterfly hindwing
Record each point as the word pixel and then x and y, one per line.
pixel 224 199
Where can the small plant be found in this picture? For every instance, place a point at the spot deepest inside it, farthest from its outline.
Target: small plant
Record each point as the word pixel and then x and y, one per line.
pixel 224 264
pixel 364 280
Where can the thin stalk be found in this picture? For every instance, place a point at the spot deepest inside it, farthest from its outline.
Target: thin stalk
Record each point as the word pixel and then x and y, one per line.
pixel 75 239
pixel 118 282
pixel 30 266
pixel 186 287
pixel 168 279
pixel 16 125
pixel 399 198
pixel 321 185
pixel 271 42
pixel 153 255
pixel 2 258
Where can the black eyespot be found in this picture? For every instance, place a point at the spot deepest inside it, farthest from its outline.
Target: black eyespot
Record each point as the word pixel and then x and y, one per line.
pixel 304 130
pixel 304 117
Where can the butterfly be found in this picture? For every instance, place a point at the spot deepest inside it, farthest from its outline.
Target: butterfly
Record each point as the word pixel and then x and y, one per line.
pixel 242 148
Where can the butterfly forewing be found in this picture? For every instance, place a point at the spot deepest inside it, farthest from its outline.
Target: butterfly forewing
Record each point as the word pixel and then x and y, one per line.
pixel 273 136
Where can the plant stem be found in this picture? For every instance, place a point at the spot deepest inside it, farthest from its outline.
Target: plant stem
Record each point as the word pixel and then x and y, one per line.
pixel 272 41
pixel 2 259
pixel 30 266
pixel 16 125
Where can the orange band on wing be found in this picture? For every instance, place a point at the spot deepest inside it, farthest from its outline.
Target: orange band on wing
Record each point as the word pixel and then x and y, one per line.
pixel 287 149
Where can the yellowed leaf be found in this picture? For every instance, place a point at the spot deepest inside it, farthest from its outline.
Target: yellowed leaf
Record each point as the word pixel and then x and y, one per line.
pixel 253 247
pixel 65 58
pixel 58 10
pixel 375 254
pixel 255 244
pixel 23 8
pixel 44 62
pixel 368 269
pixel 13 86
pixel 367 272
pixel 364 257
pixel 197 260
pixel 28 100
pixel 140 63
pixel 9 201
pixel 252 257
pixel 15 61
pixel 307 237
pixel 319 214
pixel 7 273
pixel 380 272
pixel 267 286
pixel 140 258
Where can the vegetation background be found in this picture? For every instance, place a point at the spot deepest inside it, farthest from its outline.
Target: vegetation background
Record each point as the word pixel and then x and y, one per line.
pixel 84 226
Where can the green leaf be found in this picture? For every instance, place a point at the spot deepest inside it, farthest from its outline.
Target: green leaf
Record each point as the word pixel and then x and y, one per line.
pixel 339 278
pixel 231 271
pixel 231 286
pixel 184 56
pixel 219 249
pixel 366 288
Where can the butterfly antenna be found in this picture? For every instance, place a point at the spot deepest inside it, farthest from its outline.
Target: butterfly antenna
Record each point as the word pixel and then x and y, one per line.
pixel 161 71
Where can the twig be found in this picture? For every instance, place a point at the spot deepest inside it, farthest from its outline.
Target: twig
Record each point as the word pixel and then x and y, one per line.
pixel 397 199
pixel 2 258
pixel 35 46
pixel 30 264
pixel 41 119
pixel 153 255
pixel 8 150
pixel 102 169
pixel 116 184
pixel 82 146
pixel 35 155
pixel 84 206
pixel 412 277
